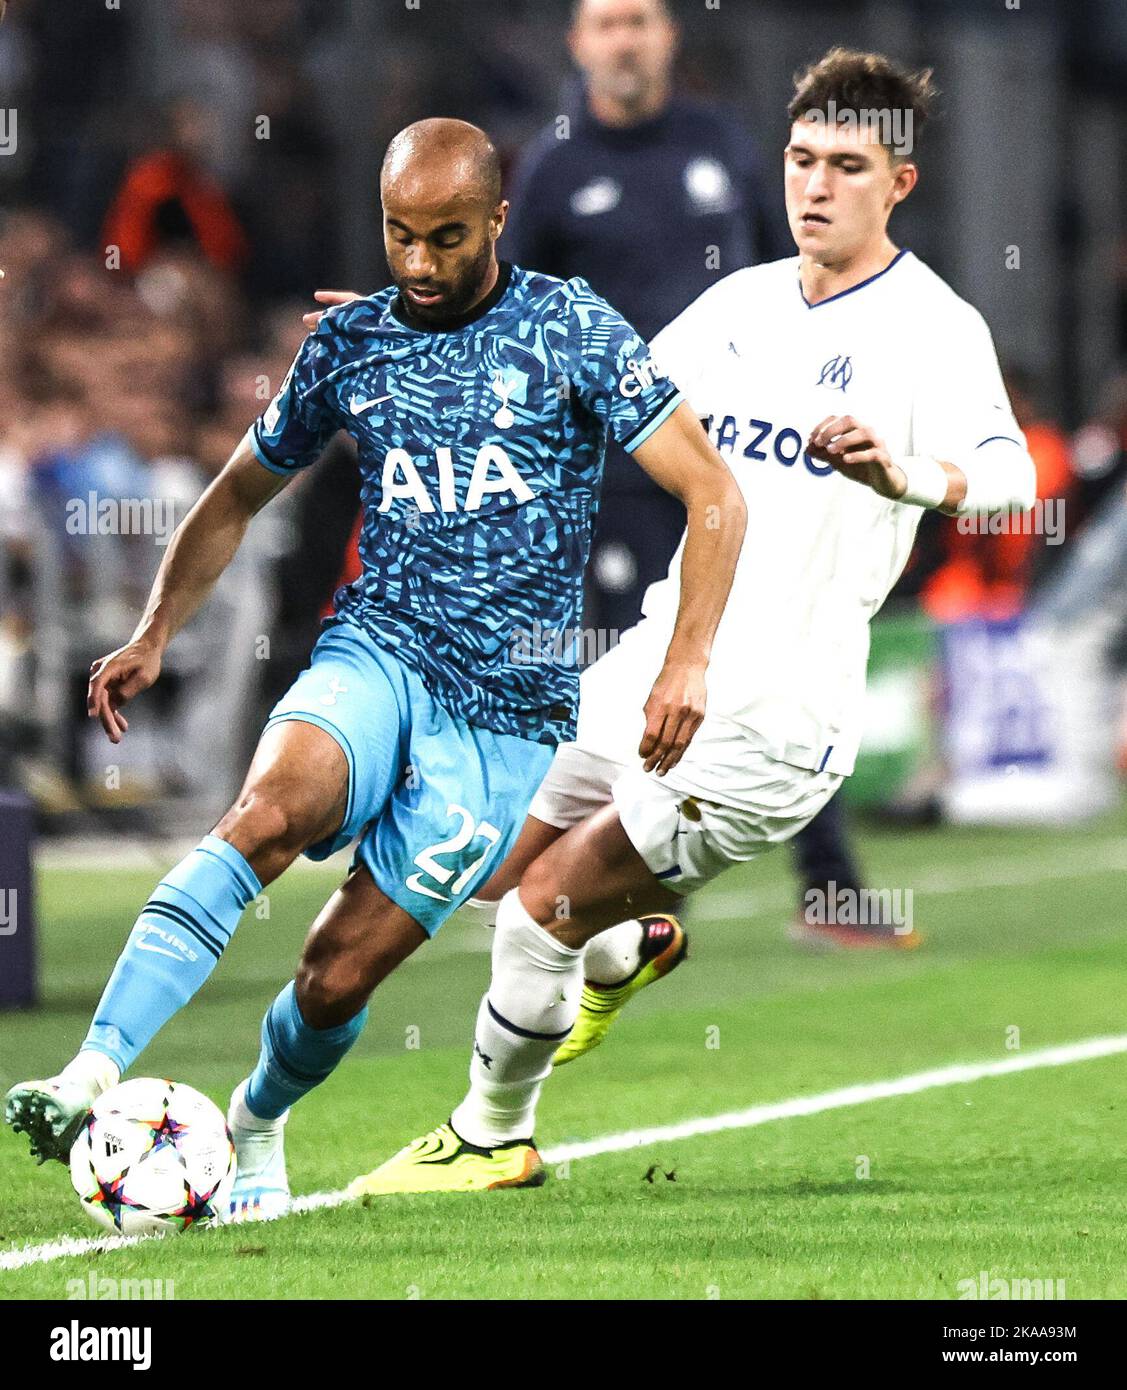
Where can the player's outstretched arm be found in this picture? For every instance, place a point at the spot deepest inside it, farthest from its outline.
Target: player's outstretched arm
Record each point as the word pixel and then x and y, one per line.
pixel 679 458
pixel 201 548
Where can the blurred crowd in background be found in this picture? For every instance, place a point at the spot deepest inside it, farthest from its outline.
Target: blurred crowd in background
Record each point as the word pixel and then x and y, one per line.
pixel 184 173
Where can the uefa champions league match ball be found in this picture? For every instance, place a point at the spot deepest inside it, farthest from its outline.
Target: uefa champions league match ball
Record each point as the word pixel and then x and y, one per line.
pixel 153 1157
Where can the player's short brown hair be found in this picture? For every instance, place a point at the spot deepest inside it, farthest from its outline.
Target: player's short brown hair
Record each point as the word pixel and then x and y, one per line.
pixel 854 81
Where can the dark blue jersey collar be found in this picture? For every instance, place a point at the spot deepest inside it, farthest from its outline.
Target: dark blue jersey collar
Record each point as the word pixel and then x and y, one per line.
pixel 853 288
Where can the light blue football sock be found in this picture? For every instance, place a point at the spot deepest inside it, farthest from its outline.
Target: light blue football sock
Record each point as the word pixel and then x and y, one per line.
pixel 174 946
pixel 295 1057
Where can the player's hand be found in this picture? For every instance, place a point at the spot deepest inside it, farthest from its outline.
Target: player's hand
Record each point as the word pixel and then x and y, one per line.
pixel 330 299
pixel 857 452
pixel 673 715
pixel 116 679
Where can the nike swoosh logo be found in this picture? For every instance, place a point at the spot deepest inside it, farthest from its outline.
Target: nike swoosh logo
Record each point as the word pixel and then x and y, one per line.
pixel 358 407
pixel 160 951
pixel 416 885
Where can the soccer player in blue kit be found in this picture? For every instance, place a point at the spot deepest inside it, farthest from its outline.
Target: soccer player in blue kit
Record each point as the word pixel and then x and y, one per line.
pixel 480 396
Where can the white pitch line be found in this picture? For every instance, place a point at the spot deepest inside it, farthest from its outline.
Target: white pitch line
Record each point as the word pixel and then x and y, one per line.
pixel 1090 1049
pixel 64 1246
pixel 959 1074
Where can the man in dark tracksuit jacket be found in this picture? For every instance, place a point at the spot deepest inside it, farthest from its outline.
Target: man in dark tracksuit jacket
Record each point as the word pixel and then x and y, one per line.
pixel 650 214
pixel 652 198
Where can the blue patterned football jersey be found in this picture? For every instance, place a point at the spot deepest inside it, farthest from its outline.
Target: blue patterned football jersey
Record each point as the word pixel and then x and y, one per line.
pixel 481 450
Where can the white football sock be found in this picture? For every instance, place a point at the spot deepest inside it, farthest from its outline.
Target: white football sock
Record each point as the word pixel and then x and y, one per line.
pixel 615 954
pixel 92 1070
pixel 242 1118
pixel 532 1003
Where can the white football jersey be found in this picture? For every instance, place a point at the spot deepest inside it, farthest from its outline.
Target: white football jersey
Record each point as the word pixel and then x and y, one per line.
pixel 903 354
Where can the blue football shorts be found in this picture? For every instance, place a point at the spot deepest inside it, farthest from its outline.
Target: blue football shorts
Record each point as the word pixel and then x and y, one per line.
pixel 437 803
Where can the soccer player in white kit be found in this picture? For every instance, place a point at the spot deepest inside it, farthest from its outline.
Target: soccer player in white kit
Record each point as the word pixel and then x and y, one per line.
pixel 848 389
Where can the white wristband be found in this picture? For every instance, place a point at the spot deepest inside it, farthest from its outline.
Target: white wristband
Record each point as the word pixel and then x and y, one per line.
pixel 926 478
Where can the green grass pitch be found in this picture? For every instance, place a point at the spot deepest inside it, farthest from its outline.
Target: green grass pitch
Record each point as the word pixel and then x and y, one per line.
pixel 1020 1175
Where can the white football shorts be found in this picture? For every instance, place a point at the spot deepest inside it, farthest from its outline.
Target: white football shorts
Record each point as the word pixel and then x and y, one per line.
pixel 724 803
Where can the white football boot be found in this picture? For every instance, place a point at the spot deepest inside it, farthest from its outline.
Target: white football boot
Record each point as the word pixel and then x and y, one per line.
pixel 262 1190
pixel 51 1112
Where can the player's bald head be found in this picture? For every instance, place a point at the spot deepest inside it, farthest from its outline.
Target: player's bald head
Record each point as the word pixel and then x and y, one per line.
pixel 445 157
pixel 442 214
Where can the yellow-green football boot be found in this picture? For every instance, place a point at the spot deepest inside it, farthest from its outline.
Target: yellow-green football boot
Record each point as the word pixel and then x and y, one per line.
pixel 665 944
pixel 442 1161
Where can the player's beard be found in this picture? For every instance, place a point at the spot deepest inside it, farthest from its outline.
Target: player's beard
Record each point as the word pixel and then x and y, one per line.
pixel 459 295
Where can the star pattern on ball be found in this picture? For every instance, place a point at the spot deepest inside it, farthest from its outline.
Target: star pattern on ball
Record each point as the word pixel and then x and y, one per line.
pixel 111 1196
pixel 197 1207
pixel 166 1130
